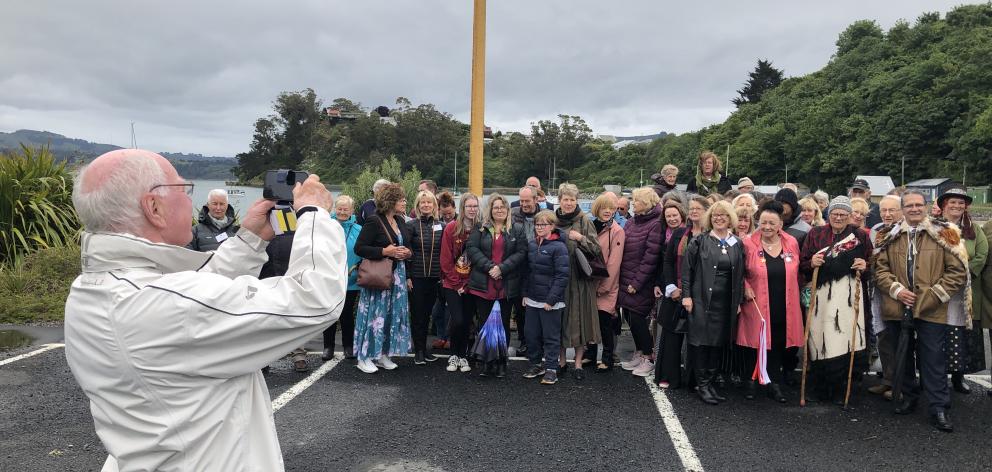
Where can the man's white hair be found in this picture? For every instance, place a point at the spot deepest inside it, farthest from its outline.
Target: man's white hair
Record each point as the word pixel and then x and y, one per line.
pixel 115 204
pixel 217 192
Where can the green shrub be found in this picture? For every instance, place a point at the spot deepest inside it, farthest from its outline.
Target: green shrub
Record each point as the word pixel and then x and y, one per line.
pixel 35 287
pixel 360 189
pixel 35 203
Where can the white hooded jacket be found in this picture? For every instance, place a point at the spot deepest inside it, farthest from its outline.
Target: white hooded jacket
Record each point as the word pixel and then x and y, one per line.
pixel 168 343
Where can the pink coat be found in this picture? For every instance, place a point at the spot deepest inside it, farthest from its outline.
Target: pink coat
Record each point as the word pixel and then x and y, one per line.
pixel 756 278
pixel 611 242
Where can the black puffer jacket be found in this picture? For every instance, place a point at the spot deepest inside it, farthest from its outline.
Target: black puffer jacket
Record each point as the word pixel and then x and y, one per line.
pixel 425 243
pixel 205 233
pixel 480 252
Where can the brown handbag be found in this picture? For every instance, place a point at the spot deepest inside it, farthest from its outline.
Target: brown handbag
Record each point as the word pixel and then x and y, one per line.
pixel 376 274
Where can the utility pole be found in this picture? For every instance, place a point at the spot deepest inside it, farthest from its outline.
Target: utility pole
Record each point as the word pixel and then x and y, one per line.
pixel 642 178
pixel 478 97
pixel 456 172
pixel 787 170
pixel 134 141
pixel 727 170
pixel 902 179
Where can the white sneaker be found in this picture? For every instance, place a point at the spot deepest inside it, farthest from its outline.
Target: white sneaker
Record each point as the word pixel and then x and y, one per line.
pixel 646 368
pixel 385 363
pixel 452 364
pixel 463 365
pixel 367 367
pixel 633 362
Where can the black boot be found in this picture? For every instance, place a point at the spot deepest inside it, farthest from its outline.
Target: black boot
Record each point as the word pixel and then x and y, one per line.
pixel 957 380
pixel 775 393
pixel 501 370
pixel 349 352
pixel 328 354
pixel 750 390
pixel 703 387
pixel 712 387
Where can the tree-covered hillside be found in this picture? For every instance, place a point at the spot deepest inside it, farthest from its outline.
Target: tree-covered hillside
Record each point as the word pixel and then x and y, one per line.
pixel 918 93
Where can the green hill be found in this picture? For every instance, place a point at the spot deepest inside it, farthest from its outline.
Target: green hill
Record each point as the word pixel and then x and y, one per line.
pixel 190 166
pixel 919 94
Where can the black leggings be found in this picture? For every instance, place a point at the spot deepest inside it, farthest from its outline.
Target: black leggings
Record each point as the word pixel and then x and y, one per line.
pixel 607 329
pixel 668 362
pixel 641 332
pixel 347 322
pixel 422 299
pixel 461 310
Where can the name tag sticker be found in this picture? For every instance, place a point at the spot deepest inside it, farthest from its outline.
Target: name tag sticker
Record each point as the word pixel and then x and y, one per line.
pixel 438 227
pixel 222 237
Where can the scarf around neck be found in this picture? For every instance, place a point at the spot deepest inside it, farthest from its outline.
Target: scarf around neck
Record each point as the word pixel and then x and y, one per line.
pixel 709 183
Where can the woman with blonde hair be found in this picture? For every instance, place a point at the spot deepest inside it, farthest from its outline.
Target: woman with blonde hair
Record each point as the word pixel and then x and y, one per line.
pixel 611 241
pixel 642 254
pixel 709 180
pixel 424 270
pixel 745 222
pixel 859 215
pixel 581 324
pixel 713 274
pixel 810 212
pixel 497 250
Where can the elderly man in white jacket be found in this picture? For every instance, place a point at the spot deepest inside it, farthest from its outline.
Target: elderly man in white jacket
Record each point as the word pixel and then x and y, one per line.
pixel 168 343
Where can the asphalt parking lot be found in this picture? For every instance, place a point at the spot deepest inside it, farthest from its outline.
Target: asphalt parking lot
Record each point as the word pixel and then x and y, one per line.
pixel 424 418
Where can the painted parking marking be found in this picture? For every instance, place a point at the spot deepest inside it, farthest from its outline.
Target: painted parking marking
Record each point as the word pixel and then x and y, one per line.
pixel 48 347
pixel 680 441
pixel 304 384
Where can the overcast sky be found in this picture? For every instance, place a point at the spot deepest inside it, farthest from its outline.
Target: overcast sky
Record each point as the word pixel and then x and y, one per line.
pixel 194 76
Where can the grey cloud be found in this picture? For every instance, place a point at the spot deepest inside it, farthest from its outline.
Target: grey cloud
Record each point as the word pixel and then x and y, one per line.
pixel 195 75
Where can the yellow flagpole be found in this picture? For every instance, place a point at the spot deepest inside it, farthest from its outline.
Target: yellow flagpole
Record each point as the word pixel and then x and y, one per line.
pixel 478 97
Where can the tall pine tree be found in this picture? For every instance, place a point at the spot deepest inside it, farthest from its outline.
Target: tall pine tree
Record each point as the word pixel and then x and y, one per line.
pixel 764 78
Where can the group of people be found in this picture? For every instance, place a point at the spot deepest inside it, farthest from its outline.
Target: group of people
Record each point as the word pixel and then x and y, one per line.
pixel 718 285
pixel 169 343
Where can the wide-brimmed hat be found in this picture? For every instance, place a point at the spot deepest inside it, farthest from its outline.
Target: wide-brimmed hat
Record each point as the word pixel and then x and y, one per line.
pixel 956 192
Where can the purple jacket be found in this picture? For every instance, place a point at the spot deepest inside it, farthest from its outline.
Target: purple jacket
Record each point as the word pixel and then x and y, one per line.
pixel 643 243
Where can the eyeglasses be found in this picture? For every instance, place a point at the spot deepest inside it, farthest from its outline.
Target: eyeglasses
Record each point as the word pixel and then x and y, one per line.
pixel 187 187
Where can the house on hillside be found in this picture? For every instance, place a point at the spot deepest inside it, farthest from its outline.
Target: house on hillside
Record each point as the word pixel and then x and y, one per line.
pixel 932 188
pixel 880 185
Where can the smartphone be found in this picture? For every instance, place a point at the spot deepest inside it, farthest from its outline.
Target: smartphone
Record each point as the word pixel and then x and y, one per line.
pixel 279 184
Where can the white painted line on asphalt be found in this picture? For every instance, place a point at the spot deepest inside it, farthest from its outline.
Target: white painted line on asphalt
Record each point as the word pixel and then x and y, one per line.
pixel 48 347
pixel 304 384
pixel 681 442
pixel 439 356
pixel 979 380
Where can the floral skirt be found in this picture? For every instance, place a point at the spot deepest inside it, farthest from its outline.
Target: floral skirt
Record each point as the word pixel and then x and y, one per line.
pixel 382 324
